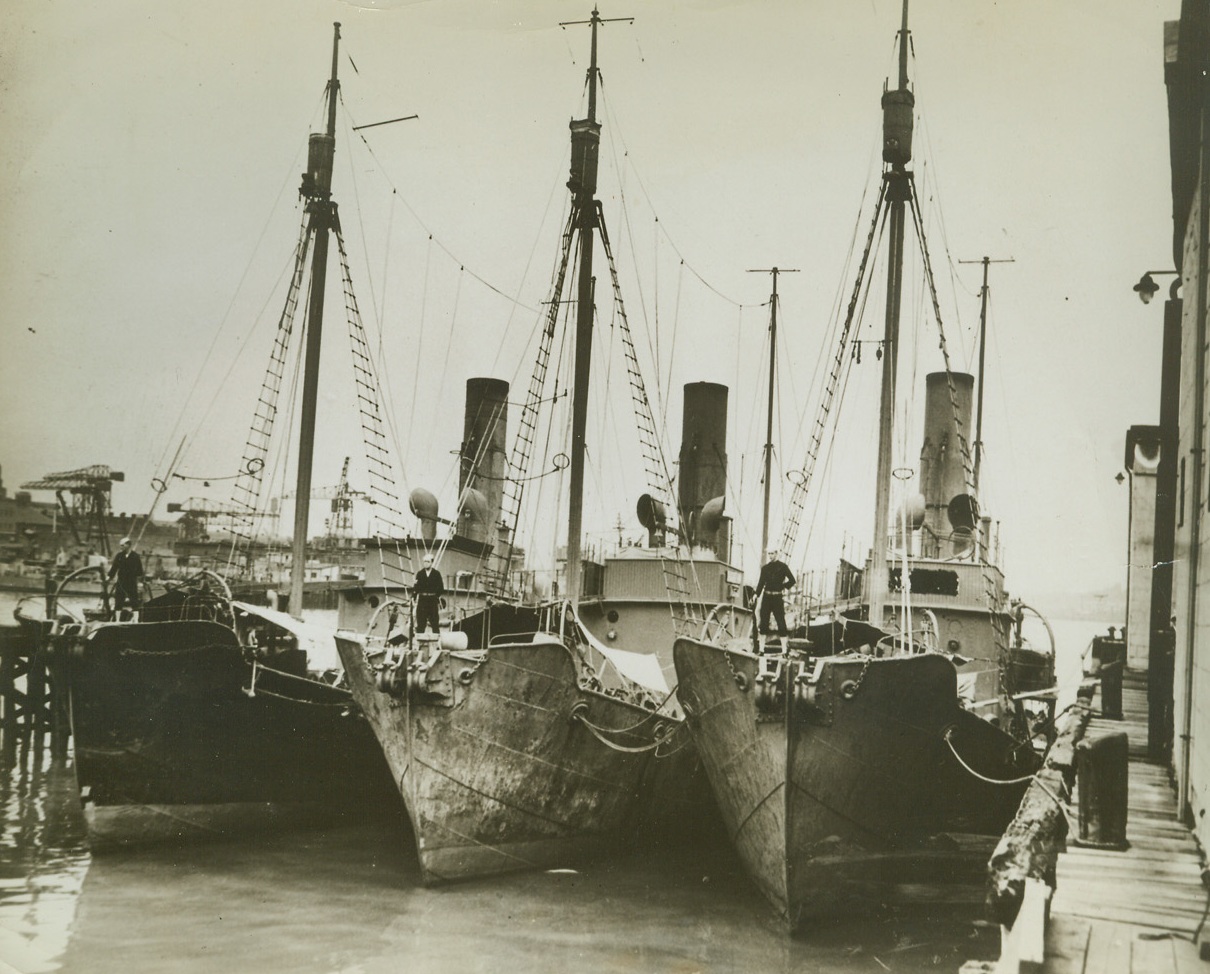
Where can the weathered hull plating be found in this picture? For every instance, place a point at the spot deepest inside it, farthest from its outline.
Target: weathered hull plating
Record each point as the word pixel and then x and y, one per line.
pixel 176 738
pixel 836 790
pixel 498 767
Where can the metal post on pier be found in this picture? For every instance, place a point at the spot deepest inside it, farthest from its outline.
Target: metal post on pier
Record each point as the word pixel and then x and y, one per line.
pixel 1103 776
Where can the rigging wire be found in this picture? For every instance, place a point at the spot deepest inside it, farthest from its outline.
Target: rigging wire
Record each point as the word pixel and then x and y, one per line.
pixel 818 377
pixel 246 492
pixel 512 299
pixel 288 180
pixel 557 184
pixel 231 365
pixel 382 372
pixel 424 300
pixel 930 167
pixel 628 156
pixel 801 488
pixel 381 313
pixel 445 365
pixel 857 310
pixel 676 319
pixel 608 414
pixel 365 248
pixel 651 322
pixel 535 499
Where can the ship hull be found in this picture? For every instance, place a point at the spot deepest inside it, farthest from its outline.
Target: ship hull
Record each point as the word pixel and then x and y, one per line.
pixel 842 784
pixel 176 737
pixel 500 761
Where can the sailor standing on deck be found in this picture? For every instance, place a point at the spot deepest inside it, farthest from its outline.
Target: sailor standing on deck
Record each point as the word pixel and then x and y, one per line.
pixel 126 572
pixel 775 579
pixel 428 589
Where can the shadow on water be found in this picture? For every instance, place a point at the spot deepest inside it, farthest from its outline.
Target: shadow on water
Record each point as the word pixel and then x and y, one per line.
pixel 350 900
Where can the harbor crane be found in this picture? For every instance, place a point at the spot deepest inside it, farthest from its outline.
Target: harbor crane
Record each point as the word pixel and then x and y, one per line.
pixel 84 497
pixel 340 525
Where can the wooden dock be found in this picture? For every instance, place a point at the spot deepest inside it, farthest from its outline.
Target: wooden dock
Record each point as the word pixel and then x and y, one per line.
pixel 1138 910
pixel 1135 911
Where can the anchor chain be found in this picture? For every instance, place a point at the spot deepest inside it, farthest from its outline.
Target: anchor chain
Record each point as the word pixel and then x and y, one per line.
pixel 849 688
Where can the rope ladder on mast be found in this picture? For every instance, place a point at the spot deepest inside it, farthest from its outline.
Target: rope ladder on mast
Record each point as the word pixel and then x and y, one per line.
pixel 687 612
pixel 246 491
pixel 497 577
pixel 380 466
pixel 840 366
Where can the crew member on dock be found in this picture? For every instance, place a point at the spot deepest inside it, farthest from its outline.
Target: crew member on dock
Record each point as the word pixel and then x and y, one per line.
pixel 428 589
pixel 127 569
pixel 775 579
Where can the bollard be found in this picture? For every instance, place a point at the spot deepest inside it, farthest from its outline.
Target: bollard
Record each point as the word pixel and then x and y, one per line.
pixel 1111 688
pixel 1103 774
pixel 1110 654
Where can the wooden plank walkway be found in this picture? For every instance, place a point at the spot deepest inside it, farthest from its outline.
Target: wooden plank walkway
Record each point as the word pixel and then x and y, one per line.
pixel 1130 912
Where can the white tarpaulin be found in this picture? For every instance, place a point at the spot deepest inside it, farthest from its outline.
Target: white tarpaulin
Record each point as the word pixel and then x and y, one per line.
pixel 642 668
pixel 318 642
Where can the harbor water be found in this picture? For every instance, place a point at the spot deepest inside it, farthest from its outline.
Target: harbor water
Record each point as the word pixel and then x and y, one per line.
pixel 350 900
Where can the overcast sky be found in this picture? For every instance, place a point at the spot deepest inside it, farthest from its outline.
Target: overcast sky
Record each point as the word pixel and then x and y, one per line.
pixel 150 161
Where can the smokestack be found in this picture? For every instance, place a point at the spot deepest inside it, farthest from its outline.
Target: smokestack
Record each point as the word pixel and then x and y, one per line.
pixel 703 462
pixel 483 458
pixel 948 508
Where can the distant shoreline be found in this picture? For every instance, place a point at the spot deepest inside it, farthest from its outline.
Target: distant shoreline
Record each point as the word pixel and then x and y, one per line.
pixel 1109 610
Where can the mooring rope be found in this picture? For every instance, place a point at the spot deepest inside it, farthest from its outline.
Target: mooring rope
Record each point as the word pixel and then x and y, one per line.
pixel 260 692
pixel 204 648
pixel 600 732
pixel 252 690
pixel 990 781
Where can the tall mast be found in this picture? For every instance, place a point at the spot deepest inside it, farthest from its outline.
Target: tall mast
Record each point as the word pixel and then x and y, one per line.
pixel 585 146
pixel 982 359
pixel 317 188
pixel 897 110
pixel 983 293
pixel 764 526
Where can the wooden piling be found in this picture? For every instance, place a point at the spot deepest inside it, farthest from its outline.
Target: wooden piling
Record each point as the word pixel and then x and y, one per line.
pixel 1031 845
pixel 33 685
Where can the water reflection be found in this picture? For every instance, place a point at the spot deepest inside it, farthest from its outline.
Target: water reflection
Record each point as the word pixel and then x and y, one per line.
pixel 43 855
pixel 349 901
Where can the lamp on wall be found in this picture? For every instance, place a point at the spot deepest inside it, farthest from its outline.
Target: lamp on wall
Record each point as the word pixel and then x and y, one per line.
pixel 1146 288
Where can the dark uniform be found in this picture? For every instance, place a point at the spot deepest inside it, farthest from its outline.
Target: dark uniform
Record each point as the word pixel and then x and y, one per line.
pixel 428 589
pixel 126 572
pixel 775 578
